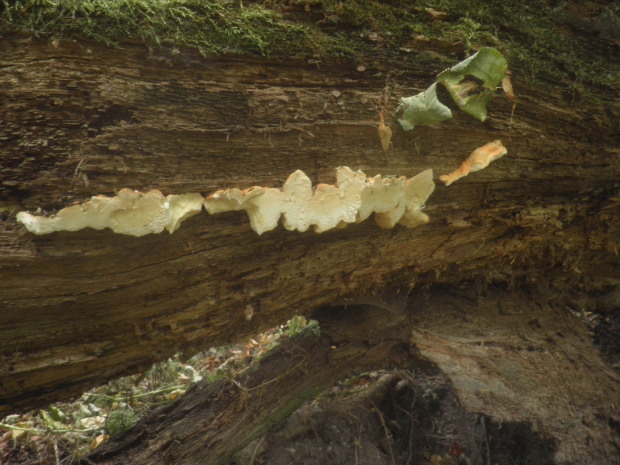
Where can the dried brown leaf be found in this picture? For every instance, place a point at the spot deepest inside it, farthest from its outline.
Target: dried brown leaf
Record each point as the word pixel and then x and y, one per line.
pixel 436 14
pixel 98 441
pixel 385 134
pixel 507 86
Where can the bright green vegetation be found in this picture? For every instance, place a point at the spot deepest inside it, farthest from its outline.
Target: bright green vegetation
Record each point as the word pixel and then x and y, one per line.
pixel 486 65
pixel 528 34
pixel 215 26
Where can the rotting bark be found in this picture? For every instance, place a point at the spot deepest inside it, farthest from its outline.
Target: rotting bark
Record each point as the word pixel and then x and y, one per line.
pixel 517 358
pixel 80 308
pixel 80 119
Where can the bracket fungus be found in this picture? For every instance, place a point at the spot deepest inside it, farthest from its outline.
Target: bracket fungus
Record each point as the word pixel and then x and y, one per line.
pixel 477 160
pixel 130 212
pixel 394 201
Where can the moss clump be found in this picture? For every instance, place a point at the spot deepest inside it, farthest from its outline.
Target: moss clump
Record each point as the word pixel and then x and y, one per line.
pixel 398 22
pixel 529 34
pixel 212 27
pixel 532 38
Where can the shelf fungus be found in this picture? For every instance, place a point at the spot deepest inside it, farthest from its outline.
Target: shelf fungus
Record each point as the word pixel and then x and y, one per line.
pixel 478 160
pixel 393 200
pixel 130 212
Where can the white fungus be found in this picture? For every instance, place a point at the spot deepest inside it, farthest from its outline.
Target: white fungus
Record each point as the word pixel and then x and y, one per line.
pixel 394 200
pixel 354 197
pixel 130 212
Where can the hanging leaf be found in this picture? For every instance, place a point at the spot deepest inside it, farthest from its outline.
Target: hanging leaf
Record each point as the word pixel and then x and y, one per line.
pixel 422 109
pixel 489 67
pixel 385 134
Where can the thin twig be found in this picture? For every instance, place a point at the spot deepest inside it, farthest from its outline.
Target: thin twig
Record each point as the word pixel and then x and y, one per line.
pixel 56 452
pixel 277 378
pixel 512 113
pixel 256 449
pixel 77 169
pixel 387 434
pixel 486 440
pixel 144 394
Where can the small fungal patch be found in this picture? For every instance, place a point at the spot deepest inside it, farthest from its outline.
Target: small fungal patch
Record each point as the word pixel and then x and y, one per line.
pixel 477 160
pixel 353 199
pixel 130 212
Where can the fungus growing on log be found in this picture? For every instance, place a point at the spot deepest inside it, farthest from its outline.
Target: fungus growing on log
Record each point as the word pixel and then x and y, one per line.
pixel 479 159
pixel 351 200
pixel 130 212
pixel 394 201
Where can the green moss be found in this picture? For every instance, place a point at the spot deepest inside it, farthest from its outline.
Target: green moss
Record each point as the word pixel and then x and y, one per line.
pixel 525 32
pixel 532 40
pixel 211 27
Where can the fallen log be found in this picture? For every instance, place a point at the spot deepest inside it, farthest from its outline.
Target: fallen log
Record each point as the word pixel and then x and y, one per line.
pixel 514 355
pixel 82 119
pixel 82 307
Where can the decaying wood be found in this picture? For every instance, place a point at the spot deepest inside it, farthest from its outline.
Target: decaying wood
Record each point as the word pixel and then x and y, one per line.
pixel 82 119
pixel 516 358
pixel 218 420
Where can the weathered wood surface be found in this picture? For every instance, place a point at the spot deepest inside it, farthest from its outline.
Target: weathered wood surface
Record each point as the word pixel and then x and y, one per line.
pixel 514 355
pixel 82 119
pixel 216 421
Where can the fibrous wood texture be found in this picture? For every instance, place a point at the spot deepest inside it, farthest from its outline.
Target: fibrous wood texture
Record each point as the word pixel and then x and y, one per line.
pixel 81 119
pixel 514 358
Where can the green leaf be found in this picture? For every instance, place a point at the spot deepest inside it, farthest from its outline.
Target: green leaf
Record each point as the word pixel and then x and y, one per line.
pixel 489 66
pixel 49 421
pixel 56 414
pixel 120 421
pixel 422 109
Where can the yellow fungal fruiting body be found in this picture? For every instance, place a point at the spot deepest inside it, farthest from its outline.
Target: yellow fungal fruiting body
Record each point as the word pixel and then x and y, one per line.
pixel 351 200
pixel 298 205
pixel 130 212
